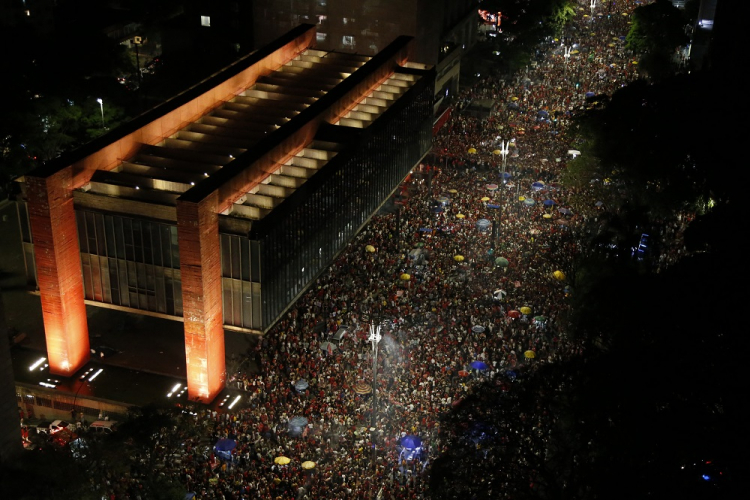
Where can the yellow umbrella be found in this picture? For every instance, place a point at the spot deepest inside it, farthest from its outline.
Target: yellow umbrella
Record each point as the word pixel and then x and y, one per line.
pixel 558 275
pixel 635 63
pixel 453 191
pixel 514 98
pixel 406 276
pixel 281 460
pixel 574 52
pixel 529 355
pixel 497 152
pixel 521 198
pixel 369 249
pixel 308 465
pixel 610 45
pixel 472 150
pixel 484 198
pixel 458 258
pixel 460 216
pixel 547 216
pixel 525 310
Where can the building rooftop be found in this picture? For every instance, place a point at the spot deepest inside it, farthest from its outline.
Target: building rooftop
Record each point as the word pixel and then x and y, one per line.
pixel 161 173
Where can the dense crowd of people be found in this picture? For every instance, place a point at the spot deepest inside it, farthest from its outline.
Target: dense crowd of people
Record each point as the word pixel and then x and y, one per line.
pixel 476 301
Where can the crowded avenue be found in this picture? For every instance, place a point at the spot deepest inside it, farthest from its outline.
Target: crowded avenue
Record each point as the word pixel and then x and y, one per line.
pixel 463 281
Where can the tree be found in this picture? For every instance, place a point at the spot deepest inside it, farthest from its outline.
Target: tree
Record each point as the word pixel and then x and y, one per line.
pixel 49 473
pixel 656 150
pixel 657 30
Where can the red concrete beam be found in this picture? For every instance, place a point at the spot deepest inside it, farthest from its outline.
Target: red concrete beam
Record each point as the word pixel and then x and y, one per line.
pixel 171 121
pixel 200 266
pixel 58 267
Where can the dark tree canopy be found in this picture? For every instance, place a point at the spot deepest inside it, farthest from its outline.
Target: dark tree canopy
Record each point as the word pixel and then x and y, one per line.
pixel 658 29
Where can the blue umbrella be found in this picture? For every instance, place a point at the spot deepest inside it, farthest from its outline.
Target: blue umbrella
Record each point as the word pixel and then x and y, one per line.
pixel 548 203
pixel 411 442
pixel 425 230
pixel 543 113
pixel 507 175
pixel 590 94
pixel 598 204
pixel 437 210
pixel 537 186
pixel 301 385
pixel 297 422
pixel 479 365
pixel 493 206
pixel 225 445
pixel 529 202
pixel 565 211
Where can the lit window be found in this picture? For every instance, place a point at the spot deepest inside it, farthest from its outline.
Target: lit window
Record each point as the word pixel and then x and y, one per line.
pixel 320 37
pixel 206 21
pixel 347 41
pixel 345 21
pixel 28 13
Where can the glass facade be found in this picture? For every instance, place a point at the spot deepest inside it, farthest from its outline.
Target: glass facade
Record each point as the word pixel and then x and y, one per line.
pixel 28 247
pixel 240 270
pixel 130 262
pixel 135 263
pixel 301 236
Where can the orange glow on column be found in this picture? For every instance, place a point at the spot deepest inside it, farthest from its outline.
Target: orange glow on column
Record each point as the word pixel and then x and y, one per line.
pixel 200 266
pixel 58 267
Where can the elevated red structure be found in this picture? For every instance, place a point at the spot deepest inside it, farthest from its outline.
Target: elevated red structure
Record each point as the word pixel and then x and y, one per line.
pixel 196 212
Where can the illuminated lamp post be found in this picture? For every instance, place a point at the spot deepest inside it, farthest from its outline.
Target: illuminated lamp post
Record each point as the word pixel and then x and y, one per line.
pixel 504 145
pixel 101 106
pixel 374 339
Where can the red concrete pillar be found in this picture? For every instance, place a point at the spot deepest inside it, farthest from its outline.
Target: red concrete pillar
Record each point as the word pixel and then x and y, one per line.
pixel 58 269
pixel 200 266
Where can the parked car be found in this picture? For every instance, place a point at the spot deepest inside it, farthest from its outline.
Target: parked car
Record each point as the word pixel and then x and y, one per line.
pixel 46 427
pixel 42 427
pixel 103 427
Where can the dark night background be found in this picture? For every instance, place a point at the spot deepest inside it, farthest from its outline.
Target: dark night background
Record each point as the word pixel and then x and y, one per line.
pixel 658 402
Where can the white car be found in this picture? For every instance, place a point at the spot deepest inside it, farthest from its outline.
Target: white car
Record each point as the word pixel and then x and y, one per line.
pixel 57 425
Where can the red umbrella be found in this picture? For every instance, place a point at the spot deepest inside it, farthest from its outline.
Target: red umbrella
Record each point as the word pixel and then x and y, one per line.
pixel 463 373
pixel 514 314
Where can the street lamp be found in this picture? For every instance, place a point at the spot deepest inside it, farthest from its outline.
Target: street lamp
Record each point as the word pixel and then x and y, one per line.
pixel 101 106
pixel 566 55
pixel 374 339
pixel 593 6
pixel 504 145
